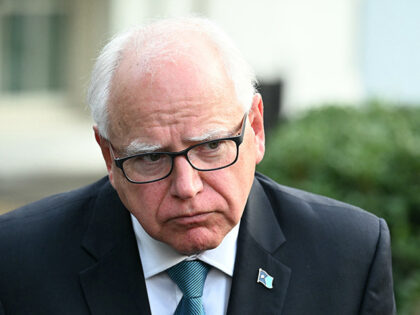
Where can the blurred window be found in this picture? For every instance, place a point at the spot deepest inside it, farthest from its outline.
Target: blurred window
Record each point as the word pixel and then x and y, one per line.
pixel 32 45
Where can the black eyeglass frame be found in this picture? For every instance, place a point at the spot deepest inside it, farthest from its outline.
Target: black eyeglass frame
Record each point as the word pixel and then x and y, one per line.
pixel 237 139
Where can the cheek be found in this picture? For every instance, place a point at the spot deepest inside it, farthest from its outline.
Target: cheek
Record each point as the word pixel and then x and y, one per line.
pixel 232 186
pixel 143 201
pixel 236 184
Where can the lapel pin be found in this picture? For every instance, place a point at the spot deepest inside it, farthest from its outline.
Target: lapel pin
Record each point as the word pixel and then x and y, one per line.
pixel 265 279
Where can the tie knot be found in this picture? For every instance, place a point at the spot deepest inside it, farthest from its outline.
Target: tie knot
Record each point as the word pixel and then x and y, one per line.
pixel 190 277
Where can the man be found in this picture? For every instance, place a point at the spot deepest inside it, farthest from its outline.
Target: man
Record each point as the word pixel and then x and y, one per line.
pixel 180 127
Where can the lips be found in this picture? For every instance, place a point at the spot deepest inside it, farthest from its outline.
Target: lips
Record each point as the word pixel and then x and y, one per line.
pixel 192 218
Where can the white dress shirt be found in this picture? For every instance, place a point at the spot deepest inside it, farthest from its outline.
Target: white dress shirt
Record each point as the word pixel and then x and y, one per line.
pixel 164 295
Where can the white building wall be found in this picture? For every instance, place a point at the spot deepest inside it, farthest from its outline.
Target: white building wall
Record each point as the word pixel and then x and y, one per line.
pixel 391 50
pixel 311 45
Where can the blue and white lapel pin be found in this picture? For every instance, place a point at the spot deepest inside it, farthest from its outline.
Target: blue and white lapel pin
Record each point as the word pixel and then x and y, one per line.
pixel 265 279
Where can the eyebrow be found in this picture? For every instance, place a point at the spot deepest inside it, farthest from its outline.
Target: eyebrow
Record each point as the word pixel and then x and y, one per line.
pixel 213 134
pixel 137 147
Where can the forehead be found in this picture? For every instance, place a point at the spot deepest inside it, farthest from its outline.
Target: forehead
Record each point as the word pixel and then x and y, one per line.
pixel 176 72
pixel 188 94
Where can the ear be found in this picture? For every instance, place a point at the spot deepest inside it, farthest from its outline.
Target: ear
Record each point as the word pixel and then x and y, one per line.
pixel 256 120
pixel 104 145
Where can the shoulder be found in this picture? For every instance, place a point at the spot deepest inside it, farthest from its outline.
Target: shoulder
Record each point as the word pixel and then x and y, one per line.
pixel 39 216
pixel 321 217
pixel 309 203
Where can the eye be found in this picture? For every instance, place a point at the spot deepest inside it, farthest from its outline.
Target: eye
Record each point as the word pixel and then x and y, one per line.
pixel 212 148
pixel 153 157
pixel 213 145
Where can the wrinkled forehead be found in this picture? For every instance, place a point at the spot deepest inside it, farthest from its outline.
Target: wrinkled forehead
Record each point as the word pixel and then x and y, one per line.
pixel 177 132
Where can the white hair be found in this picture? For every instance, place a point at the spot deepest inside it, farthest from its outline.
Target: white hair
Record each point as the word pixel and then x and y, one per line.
pixel 161 40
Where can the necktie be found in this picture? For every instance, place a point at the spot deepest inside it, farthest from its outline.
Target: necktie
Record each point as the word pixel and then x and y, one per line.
pixel 189 277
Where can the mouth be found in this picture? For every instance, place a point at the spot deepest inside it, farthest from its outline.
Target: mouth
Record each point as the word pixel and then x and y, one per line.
pixel 192 219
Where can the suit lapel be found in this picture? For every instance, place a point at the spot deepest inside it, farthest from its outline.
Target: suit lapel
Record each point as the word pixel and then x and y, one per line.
pixel 115 283
pixel 259 238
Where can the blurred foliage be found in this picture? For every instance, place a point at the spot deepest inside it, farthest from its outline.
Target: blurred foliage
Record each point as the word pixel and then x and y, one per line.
pixel 368 156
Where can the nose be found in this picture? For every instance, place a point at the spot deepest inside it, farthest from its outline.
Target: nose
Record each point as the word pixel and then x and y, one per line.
pixel 186 181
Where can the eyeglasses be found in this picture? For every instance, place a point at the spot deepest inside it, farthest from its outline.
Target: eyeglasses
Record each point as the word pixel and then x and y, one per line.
pixel 205 156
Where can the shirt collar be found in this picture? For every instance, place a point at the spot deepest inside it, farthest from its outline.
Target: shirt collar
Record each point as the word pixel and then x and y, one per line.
pixel 157 256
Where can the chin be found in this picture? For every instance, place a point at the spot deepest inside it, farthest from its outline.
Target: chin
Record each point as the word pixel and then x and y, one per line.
pixel 197 241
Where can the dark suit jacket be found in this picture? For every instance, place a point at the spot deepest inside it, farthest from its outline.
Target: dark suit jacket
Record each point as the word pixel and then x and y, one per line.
pixel 76 253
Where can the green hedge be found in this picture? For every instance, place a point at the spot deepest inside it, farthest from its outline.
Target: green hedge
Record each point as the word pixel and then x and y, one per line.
pixel 368 156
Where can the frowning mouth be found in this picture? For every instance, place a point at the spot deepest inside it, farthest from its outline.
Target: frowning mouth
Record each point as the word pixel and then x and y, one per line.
pixel 192 219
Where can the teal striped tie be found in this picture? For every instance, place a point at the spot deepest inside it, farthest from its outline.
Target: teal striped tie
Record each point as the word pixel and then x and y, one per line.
pixel 190 277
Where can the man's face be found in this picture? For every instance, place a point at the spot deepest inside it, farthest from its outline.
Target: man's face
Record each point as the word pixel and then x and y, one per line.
pixel 179 105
